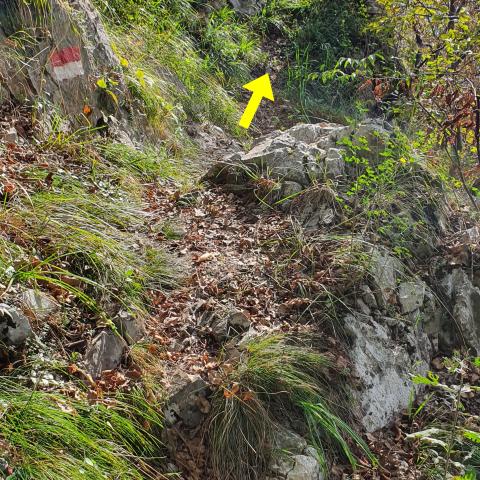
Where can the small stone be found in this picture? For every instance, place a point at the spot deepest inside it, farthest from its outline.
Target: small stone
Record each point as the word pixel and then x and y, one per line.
pixel 105 353
pixel 305 468
pixel 472 236
pixel 239 321
pixel 187 400
pixel 411 296
pixel 10 136
pixel 219 327
pixel 14 326
pixel 362 307
pixel 39 304
pixel 368 296
pixel 289 441
pixel 130 326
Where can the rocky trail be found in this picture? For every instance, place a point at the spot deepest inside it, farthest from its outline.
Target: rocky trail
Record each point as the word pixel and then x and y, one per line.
pixel 251 266
pixel 178 300
pixel 258 259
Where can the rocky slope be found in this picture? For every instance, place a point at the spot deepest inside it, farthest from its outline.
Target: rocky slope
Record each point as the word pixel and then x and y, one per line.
pixel 338 242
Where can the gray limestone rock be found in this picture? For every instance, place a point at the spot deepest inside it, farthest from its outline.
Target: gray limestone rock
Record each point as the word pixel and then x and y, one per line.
pixel 384 355
pixel 187 400
pixel 461 326
pixel 105 352
pixel 411 295
pixel 131 326
pixel 39 304
pixel 14 326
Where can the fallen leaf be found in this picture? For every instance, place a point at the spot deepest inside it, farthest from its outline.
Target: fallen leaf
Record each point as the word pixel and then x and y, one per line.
pixel 205 257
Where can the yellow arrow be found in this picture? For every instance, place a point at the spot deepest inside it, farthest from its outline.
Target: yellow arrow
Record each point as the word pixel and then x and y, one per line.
pixel 261 87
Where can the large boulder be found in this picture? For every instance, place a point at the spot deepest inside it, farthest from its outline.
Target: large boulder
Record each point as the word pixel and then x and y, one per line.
pixel 302 154
pixel 68 52
pixel 385 352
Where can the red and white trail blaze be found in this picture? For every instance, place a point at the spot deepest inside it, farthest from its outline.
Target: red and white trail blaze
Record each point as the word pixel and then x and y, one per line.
pixel 67 63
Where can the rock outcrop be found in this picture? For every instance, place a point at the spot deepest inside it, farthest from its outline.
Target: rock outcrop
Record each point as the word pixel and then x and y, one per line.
pixel 67 53
pixel 460 325
pixel 394 322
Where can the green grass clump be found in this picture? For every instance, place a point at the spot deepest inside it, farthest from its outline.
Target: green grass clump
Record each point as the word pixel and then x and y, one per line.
pixel 53 437
pixel 278 377
pixel 158 45
pixel 92 240
pixel 149 164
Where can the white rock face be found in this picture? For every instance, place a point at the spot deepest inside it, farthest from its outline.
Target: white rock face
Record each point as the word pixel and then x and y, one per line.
pixel 384 354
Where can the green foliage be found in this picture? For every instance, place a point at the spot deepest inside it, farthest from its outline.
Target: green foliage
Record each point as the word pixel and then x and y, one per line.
pixel 327 32
pixel 431 379
pixel 94 237
pixel 50 436
pixel 158 44
pixel 392 190
pixel 240 436
pixel 435 47
pixel 120 161
pixel 451 442
pixel 278 376
pixel 327 427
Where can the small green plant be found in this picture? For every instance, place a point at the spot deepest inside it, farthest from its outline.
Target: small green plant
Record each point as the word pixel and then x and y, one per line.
pixel 277 376
pixel 449 446
pixel 50 436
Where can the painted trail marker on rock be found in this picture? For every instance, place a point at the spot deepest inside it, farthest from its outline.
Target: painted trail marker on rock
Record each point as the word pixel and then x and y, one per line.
pixel 67 63
pixel 261 87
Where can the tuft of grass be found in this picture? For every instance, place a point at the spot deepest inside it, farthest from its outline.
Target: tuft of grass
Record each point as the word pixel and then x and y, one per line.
pixel 91 240
pixel 53 437
pixel 240 439
pixel 165 73
pixel 279 376
pixel 149 163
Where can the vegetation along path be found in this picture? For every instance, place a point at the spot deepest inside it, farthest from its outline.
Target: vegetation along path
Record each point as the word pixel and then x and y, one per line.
pixel 184 297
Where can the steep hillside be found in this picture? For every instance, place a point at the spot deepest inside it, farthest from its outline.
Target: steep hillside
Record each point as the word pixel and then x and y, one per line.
pixel 181 297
